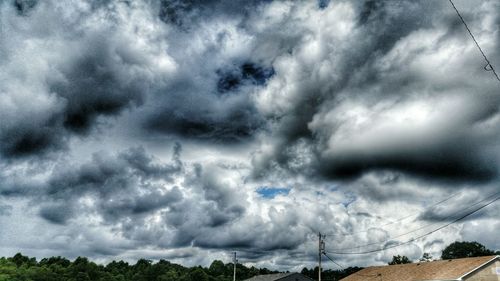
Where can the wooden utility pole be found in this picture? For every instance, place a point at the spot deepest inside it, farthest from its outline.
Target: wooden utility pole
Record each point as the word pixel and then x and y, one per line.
pixel 321 245
pixel 234 266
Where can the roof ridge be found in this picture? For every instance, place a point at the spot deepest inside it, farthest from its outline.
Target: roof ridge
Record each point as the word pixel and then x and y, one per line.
pixel 482 265
pixel 442 269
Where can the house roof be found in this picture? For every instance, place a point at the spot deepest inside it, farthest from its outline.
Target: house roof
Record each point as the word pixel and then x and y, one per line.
pixel 435 270
pixel 272 277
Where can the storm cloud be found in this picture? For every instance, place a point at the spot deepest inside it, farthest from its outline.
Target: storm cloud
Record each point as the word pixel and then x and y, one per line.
pixel 189 129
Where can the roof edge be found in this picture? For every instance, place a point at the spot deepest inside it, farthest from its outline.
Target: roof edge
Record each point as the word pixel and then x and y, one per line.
pixel 285 274
pixel 293 273
pixel 497 257
pixel 441 280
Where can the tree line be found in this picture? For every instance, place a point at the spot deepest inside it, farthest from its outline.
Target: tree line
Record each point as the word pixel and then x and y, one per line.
pixel 20 267
pixel 23 268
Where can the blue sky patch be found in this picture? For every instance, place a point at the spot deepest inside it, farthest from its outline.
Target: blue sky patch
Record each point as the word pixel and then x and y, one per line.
pixel 271 192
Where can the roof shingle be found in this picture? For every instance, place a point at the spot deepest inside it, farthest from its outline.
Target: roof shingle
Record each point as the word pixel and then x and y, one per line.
pixel 279 276
pixel 435 270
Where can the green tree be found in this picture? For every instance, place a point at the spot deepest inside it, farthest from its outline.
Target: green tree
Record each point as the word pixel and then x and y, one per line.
pixel 64 262
pixel 399 260
pixel 217 268
pixel 82 276
pixel 171 275
pixel 197 274
pixel 22 268
pixel 19 260
pixel 465 249
pixel 306 272
pixel 118 268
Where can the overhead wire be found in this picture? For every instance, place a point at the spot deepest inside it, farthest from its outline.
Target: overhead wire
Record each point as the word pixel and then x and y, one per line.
pixel 341 267
pixel 419 228
pixel 397 220
pixel 488 66
pixel 418 237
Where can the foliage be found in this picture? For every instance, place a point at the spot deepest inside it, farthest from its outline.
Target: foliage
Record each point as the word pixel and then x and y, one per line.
pixel 399 260
pixel 330 274
pixel 465 249
pixel 24 268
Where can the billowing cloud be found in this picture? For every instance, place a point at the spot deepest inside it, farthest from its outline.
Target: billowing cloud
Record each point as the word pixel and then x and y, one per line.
pixel 393 101
pixel 189 129
pixel 64 68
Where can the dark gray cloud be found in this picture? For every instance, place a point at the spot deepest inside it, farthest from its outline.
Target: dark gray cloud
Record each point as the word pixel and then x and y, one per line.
pixel 57 213
pixel 5 210
pixel 238 76
pixel 360 110
pixel 380 25
pixel 94 85
pixel 210 97
pixel 130 184
pixel 90 87
pixel 27 140
pixel 367 117
pixel 24 6
pixel 96 73
pixel 232 125
pixel 216 108
pixel 188 14
pixel 445 162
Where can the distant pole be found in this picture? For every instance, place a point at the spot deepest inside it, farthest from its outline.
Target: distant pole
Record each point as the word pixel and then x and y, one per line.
pixel 234 266
pixel 319 255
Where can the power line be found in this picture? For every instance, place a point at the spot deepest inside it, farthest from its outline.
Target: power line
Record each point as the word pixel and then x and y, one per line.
pixel 418 237
pixel 341 267
pixel 398 220
pixel 421 236
pixel 488 66
pixel 416 229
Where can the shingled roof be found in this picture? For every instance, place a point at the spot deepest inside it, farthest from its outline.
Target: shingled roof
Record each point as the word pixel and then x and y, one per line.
pixel 277 276
pixel 435 270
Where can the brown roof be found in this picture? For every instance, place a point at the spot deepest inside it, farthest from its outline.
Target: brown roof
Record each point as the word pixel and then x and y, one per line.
pixel 435 270
pixel 279 276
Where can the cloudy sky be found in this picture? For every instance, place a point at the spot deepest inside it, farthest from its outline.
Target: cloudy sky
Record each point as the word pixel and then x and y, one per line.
pixel 186 130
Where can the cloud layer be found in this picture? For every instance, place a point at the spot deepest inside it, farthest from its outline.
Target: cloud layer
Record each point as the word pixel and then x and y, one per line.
pixel 155 128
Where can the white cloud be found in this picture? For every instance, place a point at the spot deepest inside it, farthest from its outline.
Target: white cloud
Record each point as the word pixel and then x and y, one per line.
pixel 368 114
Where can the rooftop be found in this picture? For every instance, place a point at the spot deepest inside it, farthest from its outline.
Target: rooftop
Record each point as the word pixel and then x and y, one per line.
pixel 274 277
pixel 435 270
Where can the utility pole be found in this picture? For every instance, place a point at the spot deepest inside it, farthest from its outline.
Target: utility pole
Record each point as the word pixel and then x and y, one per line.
pixel 321 249
pixel 234 266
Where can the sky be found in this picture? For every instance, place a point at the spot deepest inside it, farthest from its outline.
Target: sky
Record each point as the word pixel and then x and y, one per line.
pixel 187 130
